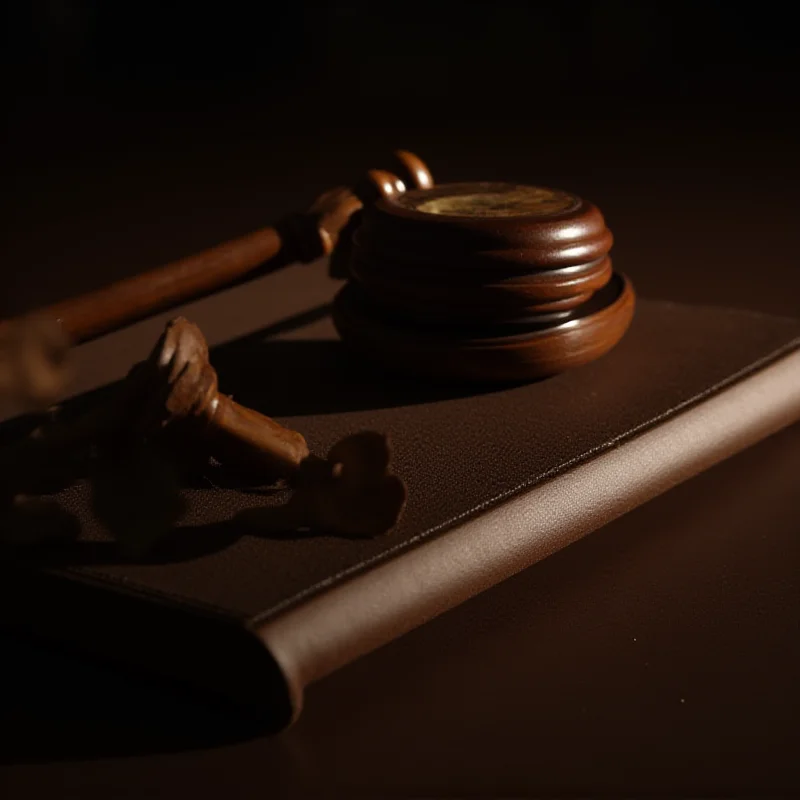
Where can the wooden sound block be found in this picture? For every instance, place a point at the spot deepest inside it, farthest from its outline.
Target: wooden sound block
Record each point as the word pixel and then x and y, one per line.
pixel 481 282
pixel 480 296
pixel 481 252
pixel 521 351
pixel 458 227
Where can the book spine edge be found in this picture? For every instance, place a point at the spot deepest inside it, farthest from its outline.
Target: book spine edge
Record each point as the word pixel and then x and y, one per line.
pixel 368 610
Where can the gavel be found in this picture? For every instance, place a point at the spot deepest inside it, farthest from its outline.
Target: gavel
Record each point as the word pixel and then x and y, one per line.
pixel 484 282
pixel 300 237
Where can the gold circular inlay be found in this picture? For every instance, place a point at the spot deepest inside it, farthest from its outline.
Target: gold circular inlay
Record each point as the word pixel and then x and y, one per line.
pixel 489 200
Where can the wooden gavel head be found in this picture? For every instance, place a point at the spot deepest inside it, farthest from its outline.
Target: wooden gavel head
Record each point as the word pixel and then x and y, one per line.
pixel 177 387
pixel 177 381
pixel 480 281
pixel 409 173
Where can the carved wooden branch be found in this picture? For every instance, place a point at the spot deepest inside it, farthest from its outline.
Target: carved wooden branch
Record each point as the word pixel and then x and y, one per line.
pixel 178 384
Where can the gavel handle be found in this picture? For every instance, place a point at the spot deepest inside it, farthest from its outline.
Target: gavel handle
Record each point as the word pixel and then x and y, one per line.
pixel 298 237
pixel 242 436
pixel 130 300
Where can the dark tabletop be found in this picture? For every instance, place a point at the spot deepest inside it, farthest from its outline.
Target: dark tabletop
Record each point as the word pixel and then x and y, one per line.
pixel 659 654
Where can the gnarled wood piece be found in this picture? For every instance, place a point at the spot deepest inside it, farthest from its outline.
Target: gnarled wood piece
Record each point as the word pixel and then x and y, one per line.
pixel 177 384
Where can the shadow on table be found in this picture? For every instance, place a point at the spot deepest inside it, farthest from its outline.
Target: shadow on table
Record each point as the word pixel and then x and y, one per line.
pixel 293 377
pixel 61 707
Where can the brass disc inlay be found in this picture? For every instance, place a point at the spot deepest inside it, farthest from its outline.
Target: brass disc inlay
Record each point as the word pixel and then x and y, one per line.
pixel 489 200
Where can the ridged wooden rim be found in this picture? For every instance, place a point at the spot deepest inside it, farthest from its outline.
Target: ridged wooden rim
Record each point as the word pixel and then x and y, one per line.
pixel 416 287
pixel 523 356
pixel 395 233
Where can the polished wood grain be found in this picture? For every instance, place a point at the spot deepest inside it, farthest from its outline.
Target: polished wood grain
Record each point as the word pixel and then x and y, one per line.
pixel 181 388
pixel 484 295
pixel 482 281
pixel 127 301
pixel 251 441
pixel 588 333
pixel 400 229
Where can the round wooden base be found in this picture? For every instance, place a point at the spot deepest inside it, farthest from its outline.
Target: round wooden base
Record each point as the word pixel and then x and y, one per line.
pixel 522 351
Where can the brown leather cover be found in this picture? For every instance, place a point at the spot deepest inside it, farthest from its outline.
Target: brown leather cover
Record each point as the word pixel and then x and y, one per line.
pixel 462 453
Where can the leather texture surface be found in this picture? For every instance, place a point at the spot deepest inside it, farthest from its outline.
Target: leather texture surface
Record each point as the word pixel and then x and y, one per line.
pixel 356 616
pixel 460 451
pixel 657 656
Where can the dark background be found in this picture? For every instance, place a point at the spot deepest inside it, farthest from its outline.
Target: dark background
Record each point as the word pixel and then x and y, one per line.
pixel 138 132
pixel 224 115
pixel 444 54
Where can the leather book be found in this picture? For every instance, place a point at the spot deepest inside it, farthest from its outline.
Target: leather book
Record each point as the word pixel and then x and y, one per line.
pixel 498 478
